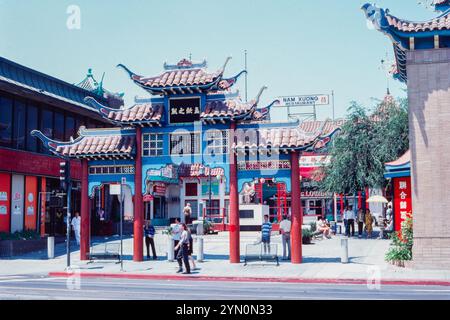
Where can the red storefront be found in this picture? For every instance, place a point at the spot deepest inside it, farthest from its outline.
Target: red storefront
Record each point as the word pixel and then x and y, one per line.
pixel 399 171
pixel 31 100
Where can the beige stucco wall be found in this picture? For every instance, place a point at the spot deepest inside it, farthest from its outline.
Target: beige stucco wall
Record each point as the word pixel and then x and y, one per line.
pixel 429 122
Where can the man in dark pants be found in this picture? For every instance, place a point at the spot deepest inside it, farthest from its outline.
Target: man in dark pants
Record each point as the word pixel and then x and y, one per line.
pixel 183 253
pixel 149 231
pixel 350 216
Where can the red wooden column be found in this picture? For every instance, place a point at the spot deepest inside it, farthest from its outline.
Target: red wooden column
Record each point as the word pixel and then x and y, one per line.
pixel 234 204
pixel 296 210
pixel 85 214
pixel 138 242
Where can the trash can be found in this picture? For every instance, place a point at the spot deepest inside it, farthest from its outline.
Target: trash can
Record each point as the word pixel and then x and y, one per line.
pixel 51 247
pixel 198 225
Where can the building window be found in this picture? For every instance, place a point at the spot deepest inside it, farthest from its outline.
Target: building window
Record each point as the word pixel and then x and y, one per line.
pixel 46 127
pixel 32 124
pixel 70 128
pixel 120 169
pixel 191 189
pixel 152 145
pixel 19 125
pixel 217 142
pixel 185 143
pixel 59 127
pixel 5 122
pixel 213 209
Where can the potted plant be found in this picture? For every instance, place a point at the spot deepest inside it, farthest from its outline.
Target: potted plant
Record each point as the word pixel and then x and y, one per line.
pixel 306 236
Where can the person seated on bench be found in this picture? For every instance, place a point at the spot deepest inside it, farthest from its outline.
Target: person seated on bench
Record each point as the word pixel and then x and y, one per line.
pixel 323 228
pixel 266 229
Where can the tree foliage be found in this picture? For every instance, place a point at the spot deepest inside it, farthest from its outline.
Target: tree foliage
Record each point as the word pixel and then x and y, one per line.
pixel 367 141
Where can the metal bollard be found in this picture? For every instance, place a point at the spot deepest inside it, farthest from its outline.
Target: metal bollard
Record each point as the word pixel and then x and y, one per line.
pixel 51 247
pixel 344 250
pixel 170 250
pixel 200 255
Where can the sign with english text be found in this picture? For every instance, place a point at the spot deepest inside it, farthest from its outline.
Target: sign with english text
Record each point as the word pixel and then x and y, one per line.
pixel 306 100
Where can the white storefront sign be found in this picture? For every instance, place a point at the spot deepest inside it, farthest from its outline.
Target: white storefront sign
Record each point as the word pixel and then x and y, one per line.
pixel 306 100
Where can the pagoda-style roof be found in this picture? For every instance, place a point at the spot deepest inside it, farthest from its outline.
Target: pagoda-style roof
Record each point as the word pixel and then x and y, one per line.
pixel 140 114
pixel 112 143
pixel 409 35
pixel 89 83
pixel 234 109
pixel 184 78
pixel 441 5
pixel 400 167
pixel 307 136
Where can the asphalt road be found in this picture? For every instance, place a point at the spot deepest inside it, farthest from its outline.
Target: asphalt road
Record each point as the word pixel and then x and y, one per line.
pixel 31 288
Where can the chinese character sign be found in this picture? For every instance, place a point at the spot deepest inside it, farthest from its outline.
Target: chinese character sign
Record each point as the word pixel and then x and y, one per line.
pixel 184 110
pixel 402 200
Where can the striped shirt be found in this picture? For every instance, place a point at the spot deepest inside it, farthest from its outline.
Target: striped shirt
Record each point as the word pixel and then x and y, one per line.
pixel 266 228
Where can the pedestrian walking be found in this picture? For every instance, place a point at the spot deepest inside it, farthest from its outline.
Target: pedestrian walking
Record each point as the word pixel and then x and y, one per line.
pixel 191 250
pixel 349 215
pixel 183 250
pixel 361 220
pixel 176 235
pixel 285 230
pixel 76 225
pixel 369 222
pixel 266 229
pixel 187 211
pixel 149 231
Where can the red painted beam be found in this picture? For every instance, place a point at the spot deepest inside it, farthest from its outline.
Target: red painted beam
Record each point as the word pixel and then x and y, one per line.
pixel 296 210
pixel 234 226
pixel 30 163
pixel 138 227
pixel 85 214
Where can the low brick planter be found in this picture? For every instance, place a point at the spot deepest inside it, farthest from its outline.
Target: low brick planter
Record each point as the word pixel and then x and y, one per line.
pixel 11 248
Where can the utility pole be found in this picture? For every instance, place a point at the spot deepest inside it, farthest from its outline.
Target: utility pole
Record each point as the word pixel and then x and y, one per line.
pixel 66 186
pixel 246 75
pixel 332 103
pixel 210 191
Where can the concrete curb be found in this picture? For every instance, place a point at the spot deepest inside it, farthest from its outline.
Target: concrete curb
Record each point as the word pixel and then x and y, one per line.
pixel 403 282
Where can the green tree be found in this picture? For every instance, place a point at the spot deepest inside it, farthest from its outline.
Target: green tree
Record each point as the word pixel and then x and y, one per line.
pixel 365 144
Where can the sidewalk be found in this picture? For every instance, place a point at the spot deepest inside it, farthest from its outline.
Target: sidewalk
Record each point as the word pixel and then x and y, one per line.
pixel 321 262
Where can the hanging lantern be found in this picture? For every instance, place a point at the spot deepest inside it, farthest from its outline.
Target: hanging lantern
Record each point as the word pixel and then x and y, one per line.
pixel 262 180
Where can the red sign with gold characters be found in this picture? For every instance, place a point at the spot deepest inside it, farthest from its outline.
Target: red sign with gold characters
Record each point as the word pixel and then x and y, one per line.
pixel 402 200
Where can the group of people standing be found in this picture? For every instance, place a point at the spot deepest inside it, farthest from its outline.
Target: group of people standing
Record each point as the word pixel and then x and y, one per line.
pixel 364 219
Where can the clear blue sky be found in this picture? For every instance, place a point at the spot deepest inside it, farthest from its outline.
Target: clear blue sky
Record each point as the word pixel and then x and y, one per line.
pixel 294 46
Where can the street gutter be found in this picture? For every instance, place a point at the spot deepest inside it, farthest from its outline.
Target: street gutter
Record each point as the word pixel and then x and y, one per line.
pixel 403 282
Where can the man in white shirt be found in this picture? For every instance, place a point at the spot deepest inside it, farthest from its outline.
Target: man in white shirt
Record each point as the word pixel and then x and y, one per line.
pixel 176 234
pixel 349 216
pixel 285 230
pixel 76 225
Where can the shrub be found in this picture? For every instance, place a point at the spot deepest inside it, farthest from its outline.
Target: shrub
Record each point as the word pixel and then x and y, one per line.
pixel 402 242
pixel 20 235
